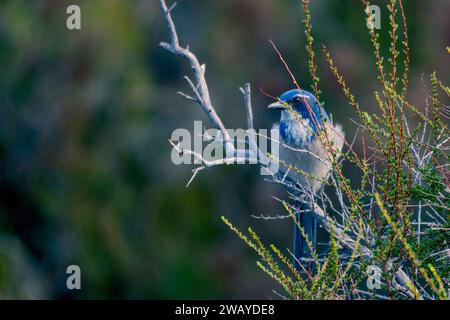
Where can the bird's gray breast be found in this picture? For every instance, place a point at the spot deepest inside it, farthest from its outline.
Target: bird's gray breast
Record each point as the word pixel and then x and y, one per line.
pixel 302 156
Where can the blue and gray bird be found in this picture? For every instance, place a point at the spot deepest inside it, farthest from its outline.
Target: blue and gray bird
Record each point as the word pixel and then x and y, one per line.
pixel 302 120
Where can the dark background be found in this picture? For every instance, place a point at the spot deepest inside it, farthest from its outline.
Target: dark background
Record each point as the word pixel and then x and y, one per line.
pixel 86 176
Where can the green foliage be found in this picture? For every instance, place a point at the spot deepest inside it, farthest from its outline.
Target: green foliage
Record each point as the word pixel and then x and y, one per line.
pixel 398 219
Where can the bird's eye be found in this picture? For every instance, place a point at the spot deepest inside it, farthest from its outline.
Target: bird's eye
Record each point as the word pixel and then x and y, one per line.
pixel 296 99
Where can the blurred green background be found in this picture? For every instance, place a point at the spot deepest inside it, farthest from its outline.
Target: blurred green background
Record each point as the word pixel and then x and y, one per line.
pixel 86 176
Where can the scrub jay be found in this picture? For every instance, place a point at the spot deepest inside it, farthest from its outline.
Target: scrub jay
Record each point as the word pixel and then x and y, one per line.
pixel 302 120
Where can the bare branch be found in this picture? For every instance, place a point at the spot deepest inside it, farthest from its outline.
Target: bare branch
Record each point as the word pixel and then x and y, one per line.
pixel 246 91
pixel 202 92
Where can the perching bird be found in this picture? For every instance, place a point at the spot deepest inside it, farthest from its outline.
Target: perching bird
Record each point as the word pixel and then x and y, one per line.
pixel 299 128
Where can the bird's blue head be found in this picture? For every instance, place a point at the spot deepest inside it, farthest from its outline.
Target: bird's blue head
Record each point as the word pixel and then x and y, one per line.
pixel 299 100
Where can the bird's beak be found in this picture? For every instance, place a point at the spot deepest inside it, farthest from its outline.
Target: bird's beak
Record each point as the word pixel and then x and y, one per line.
pixel 277 105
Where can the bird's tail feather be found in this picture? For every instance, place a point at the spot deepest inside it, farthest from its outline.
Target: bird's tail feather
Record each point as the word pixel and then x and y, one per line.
pixel 309 225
